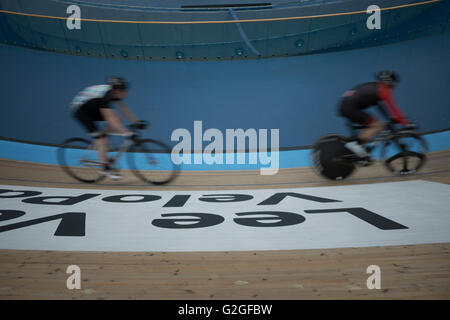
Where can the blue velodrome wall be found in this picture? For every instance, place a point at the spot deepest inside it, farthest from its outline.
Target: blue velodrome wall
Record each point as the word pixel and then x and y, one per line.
pixel 297 95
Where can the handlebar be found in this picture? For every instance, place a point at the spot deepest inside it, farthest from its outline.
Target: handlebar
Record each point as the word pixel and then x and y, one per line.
pixel 139 125
pixel 134 127
pixel 413 125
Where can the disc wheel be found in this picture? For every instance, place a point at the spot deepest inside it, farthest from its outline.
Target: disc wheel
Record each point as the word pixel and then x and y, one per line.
pixel 325 152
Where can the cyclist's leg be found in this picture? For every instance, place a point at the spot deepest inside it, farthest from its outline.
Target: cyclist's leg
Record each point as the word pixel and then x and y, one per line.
pixel 88 120
pixel 88 117
pixel 113 121
pixel 101 144
pixel 374 126
pixel 102 147
pixel 350 111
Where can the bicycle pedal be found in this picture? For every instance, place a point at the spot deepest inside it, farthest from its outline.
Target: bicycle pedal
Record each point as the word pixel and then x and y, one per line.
pixel 111 175
pixel 407 172
pixel 114 177
pixel 365 162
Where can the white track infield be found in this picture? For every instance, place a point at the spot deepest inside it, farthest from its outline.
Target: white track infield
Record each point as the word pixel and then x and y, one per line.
pixel 381 214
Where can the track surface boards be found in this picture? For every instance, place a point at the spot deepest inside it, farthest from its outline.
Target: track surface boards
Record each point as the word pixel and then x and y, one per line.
pixel 407 272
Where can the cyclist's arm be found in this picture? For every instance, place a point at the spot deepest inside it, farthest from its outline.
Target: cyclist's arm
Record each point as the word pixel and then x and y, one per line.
pixel 113 120
pixel 127 112
pixel 385 94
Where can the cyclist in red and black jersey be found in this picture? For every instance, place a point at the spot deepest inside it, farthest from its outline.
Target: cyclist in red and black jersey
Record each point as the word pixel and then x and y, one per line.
pixel 369 94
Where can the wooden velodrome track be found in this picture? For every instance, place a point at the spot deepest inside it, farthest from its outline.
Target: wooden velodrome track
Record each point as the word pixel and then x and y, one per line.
pixel 408 272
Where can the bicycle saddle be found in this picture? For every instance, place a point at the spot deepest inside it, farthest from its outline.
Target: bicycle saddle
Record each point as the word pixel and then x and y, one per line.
pixel 355 126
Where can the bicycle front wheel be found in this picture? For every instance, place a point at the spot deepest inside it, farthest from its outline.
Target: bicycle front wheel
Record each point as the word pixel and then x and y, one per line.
pixel 405 154
pixel 79 159
pixel 150 160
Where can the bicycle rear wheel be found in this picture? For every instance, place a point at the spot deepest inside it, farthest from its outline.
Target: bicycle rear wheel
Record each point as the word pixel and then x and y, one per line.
pixel 79 159
pixel 405 154
pixel 150 160
pixel 325 152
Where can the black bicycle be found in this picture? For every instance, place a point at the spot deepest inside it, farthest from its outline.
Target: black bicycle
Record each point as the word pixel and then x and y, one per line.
pixel 148 159
pixel 403 151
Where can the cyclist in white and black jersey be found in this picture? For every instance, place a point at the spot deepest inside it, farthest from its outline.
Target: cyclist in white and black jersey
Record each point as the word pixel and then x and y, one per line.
pixel 93 104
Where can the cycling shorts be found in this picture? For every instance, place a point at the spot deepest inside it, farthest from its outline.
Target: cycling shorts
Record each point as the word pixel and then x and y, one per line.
pixel 350 110
pixel 88 114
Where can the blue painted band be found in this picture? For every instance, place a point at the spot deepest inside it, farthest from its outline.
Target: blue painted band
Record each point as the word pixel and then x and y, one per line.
pixel 287 159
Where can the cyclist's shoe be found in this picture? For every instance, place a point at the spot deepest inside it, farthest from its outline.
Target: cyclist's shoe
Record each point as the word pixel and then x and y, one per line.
pixel 361 152
pixel 357 149
pixel 111 174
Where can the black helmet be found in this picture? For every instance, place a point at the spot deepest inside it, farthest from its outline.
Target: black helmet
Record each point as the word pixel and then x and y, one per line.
pixel 387 76
pixel 117 83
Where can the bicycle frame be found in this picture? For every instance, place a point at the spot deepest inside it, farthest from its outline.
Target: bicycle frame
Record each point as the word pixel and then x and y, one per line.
pixel 409 142
pixel 140 155
pixel 126 144
pixel 387 134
